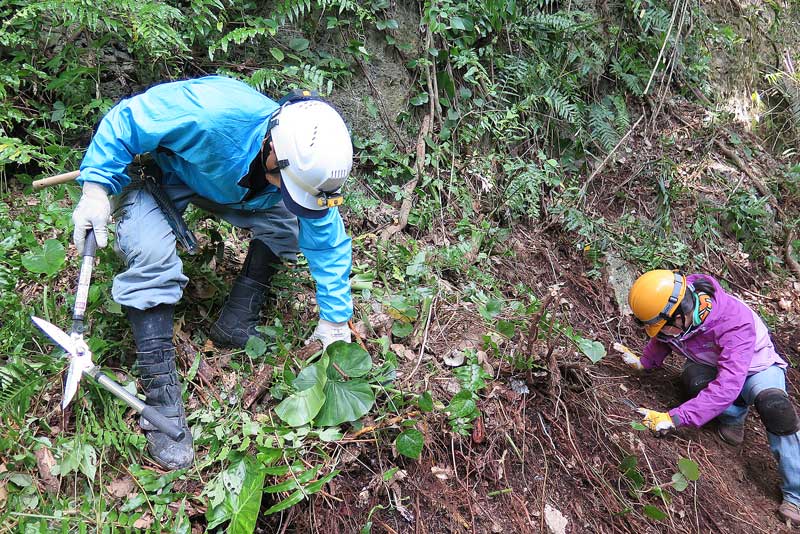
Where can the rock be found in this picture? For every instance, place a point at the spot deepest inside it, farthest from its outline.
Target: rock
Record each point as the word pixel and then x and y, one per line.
pixel 621 278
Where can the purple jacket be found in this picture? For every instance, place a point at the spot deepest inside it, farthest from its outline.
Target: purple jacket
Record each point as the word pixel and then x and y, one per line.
pixel 734 339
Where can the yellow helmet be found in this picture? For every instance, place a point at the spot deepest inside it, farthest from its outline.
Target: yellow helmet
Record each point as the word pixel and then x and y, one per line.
pixel 655 296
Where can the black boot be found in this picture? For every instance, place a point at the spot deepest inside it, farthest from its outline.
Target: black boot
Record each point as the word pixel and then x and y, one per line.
pixel 239 316
pixel 155 360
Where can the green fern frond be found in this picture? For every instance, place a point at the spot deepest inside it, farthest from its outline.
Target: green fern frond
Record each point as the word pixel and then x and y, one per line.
pixel 18 383
pixel 601 125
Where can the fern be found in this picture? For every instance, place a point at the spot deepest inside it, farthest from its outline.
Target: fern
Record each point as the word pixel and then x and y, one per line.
pixel 18 383
pixel 601 124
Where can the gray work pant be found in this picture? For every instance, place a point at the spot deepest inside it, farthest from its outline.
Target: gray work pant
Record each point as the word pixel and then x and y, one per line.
pixel 145 242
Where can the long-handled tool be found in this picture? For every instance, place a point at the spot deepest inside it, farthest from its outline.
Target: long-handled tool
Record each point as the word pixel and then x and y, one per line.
pixel 80 357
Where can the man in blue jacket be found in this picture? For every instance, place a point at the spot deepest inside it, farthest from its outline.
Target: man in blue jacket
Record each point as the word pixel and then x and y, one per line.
pixel 275 169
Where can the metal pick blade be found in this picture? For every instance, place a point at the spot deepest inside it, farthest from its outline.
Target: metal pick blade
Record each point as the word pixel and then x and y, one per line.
pixel 56 334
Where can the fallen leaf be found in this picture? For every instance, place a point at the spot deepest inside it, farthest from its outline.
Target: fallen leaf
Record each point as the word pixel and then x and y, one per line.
pixel 555 520
pixel 455 358
pixel 402 351
pixel 442 473
pixel 45 462
pixel 143 522
pixel 121 487
pixel 360 328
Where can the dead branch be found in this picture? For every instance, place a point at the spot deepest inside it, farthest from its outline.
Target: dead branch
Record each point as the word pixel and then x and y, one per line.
pixel 585 186
pixel 765 192
pixel 745 168
pixel 408 189
pixel 790 261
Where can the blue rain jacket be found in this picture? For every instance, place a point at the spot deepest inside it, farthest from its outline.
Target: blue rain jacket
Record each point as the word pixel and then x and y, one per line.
pixel 205 133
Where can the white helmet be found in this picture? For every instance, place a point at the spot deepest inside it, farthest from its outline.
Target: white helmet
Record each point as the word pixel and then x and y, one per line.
pixel 315 155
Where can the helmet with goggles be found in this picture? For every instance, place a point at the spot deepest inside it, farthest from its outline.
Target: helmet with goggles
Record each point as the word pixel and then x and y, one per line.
pixel 314 153
pixel 655 296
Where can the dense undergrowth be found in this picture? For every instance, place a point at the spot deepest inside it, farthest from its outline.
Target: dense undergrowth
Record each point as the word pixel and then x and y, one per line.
pixel 518 114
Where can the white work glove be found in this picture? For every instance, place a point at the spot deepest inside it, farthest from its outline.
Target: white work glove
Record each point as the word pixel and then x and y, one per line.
pixel 92 212
pixel 629 357
pixel 328 332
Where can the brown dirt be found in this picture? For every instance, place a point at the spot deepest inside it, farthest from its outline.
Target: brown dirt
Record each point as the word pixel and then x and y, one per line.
pixel 561 445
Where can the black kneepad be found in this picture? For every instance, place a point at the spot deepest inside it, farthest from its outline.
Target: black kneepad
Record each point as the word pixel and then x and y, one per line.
pixel 695 378
pixel 777 412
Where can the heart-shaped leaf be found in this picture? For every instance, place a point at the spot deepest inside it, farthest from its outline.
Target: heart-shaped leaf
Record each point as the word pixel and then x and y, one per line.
pixel 45 260
pixel 300 408
pixel 689 468
pixel 409 443
pixel 350 358
pixel 594 350
pixel 345 401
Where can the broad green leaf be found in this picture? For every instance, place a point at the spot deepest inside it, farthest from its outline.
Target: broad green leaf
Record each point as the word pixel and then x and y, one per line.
pixel 301 408
pixel 506 328
pixel 290 501
pixel 241 506
pixel 312 375
pixel 401 330
pixel 277 54
pixel 350 358
pixel 492 309
pixel 461 405
pixel 46 259
pixel 594 350
pixel 425 402
pixel 679 482
pixel 689 468
pixel 419 99
pixel 636 425
pixel 409 443
pixel 344 402
pixel 654 512
pixel 244 511
pixel 298 44
pixel 255 347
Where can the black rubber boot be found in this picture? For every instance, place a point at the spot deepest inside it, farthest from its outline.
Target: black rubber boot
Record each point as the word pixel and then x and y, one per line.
pixel 239 316
pixel 155 360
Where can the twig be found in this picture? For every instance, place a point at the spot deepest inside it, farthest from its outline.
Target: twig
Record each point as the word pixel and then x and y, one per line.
pixel 424 340
pixel 608 156
pixel 745 168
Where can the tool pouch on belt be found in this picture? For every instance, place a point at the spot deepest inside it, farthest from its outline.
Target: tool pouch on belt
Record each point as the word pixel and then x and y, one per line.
pixel 144 173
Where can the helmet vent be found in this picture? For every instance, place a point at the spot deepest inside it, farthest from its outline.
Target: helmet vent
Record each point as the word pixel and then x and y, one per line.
pixel 314 136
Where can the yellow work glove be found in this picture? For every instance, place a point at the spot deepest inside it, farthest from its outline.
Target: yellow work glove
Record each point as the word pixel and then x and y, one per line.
pixel 659 422
pixel 629 357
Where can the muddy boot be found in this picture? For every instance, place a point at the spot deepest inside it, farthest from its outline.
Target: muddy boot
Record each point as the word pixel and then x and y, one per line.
pixel 731 434
pixel 789 513
pixel 239 316
pixel 155 360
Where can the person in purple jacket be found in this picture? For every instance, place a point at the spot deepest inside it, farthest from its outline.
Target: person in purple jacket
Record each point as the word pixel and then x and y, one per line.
pixel 731 364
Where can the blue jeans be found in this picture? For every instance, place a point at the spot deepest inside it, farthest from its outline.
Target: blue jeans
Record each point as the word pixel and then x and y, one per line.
pixel 785 449
pixel 145 242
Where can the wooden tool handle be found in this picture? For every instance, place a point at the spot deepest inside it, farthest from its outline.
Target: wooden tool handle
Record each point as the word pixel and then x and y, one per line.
pixel 55 180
